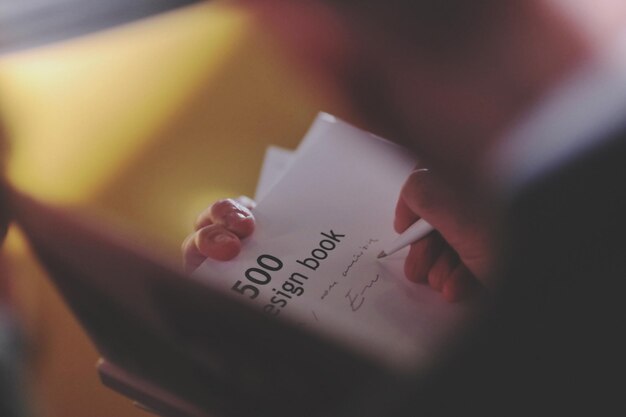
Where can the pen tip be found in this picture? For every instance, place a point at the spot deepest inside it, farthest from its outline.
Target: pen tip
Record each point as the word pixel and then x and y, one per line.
pixel 382 254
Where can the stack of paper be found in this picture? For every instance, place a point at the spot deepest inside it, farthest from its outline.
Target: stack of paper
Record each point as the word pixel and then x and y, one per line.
pixel 312 259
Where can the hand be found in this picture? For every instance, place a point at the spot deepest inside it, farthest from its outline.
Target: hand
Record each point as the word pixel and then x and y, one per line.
pixel 218 232
pixel 455 259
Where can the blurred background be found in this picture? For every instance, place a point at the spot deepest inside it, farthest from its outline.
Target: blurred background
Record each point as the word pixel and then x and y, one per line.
pixel 143 124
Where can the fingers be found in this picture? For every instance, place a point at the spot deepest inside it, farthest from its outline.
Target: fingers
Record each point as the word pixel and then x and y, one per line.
pixel 433 262
pixel 213 241
pixel 460 285
pixel 442 268
pixel 425 196
pixel 406 213
pixel 404 216
pixel 218 232
pixel 192 258
pixel 217 242
pixel 234 215
pixel 422 256
pixel 460 230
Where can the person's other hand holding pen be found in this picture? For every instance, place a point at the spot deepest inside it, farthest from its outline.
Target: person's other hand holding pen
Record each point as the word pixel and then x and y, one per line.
pixel 455 259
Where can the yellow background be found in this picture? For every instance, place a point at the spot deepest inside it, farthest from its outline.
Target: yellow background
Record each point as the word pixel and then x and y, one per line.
pixel 145 124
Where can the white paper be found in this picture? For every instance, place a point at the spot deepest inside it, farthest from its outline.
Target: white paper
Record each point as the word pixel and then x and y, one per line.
pixel 312 258
pixel 275 164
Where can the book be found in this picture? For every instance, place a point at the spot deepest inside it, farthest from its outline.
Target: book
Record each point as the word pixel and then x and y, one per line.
pixel 347 330
pixel 320 225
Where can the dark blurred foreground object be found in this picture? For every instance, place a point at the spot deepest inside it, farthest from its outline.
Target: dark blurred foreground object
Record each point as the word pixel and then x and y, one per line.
pixel 550 345
pixel 12 397
pixel 181 348
pixel 30 23
pixel 553 343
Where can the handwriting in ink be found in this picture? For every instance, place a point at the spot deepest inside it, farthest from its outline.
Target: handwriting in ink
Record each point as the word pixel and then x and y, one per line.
pixel 357 300
pixel 357 256
pixel 327 291
pixel 353 300
pixel 370 285
pixel 314 315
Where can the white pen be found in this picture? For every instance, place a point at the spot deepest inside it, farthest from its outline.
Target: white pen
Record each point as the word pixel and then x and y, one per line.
pixel 415 232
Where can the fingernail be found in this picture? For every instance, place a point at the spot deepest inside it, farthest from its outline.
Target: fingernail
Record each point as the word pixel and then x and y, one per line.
pixel 222 238
pixel 233 218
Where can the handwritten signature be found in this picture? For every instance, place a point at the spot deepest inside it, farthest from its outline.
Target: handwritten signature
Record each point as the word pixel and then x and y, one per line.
pixel 357 256
pixel 314 315
pixel 327 291
pixel 357 300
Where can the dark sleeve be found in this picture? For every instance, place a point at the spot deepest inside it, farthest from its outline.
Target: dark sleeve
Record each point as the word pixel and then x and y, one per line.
pixel 564 261
pixel 551 343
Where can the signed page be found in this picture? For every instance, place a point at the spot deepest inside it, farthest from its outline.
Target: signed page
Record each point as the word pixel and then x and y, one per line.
pixel 312 259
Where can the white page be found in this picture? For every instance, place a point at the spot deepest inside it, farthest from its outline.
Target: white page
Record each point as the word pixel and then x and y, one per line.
pixel 275 163
pixel 338 198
